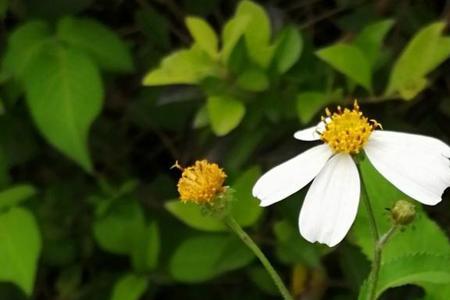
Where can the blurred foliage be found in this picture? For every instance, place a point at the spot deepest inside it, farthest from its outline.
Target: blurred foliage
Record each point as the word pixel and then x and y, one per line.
pixel 99 98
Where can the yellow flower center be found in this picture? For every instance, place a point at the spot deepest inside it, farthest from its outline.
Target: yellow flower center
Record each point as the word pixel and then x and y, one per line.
pixel 347 130
pixel 201 182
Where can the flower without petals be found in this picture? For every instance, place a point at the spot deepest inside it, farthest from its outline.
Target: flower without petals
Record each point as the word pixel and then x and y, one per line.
pixel 417 165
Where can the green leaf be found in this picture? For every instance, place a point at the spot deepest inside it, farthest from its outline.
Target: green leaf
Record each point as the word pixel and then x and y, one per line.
pixel 203 257
pixel 225 113
pixel 192 215
pixel 426 50
pixel 413 88
pixel 65 104
pixel 245 209
pixel 423 235
pixel 100 42
pixel 436 291
pixel 120 230
pixel 204 36
pixel 129 287
pixel 288 47
pixel 15 195
pixel 182 67
pixel 350 61
pixel 145 253
pixel 253 80
pixel 257 32
pixel 231 34
pixel 309 104
pixel 370 39
pixel 20 246
pixel 24 44
pixel 423 267
pixel 291 248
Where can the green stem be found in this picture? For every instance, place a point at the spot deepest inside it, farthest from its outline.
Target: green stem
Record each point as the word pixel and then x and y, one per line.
pixel 376 263
pixel 379 242
pixel 247 240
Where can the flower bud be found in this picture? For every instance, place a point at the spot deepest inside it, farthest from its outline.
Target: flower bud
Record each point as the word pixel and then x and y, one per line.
pixel 403 212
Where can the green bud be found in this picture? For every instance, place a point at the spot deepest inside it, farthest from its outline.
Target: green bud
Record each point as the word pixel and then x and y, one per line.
pixel 403 212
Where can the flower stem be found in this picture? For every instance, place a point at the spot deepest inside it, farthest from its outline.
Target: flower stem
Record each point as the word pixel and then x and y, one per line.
pixel 247 240
pixel 379 241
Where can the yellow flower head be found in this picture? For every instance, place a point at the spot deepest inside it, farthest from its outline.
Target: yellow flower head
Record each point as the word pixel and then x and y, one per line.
pixel 201 182
pixel 347 130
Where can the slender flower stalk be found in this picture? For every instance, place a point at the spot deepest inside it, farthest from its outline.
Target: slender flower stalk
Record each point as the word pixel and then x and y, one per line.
pixel 202 183
pixel 247 240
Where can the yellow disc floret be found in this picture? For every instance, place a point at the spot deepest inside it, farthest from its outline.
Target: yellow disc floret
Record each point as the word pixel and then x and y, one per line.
pixel 201 183
pixel 347 130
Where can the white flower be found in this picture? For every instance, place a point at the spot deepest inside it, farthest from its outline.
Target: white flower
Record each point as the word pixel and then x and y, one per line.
pixel 417 165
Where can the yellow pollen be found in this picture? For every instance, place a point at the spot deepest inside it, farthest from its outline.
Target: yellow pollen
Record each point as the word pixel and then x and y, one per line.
pixel 347 130
pixel 201 183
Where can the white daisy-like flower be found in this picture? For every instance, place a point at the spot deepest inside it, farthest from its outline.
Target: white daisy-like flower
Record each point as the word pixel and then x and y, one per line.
pixel 417 165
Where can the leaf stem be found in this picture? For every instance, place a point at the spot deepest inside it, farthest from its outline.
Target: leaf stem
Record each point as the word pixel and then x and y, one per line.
pixel 247 240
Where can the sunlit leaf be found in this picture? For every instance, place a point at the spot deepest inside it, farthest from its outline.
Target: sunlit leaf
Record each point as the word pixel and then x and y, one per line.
pixel 182 67
pixel 204 36
pixel 426 50
pixel 257 32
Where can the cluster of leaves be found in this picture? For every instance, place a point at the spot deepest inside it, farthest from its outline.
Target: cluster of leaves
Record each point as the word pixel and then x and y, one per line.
pixel 99 217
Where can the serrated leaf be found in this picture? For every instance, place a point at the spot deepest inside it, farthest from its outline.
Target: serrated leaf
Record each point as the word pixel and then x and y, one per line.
pixel 423 235
pixel 350 61
pixel 66 103
pixel 225 113
pixel 203 257
pixel 182 67
pixel 289 46
pixel 100 42
pixel 15 195
pixel 426 50
pixel 204 36
pixel 20 247
pixel 370 39
pixel 425 268
pixel 129 287
pixel 24 44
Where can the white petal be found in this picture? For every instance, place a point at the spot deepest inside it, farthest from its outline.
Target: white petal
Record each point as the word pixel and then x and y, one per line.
pixel 289 177
pixel 417 165
pixel 311 133
pixel 331 203
pixel 308 134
